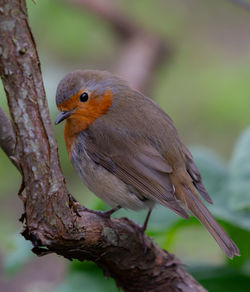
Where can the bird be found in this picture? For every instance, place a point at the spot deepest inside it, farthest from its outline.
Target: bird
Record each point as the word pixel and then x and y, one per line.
pixel 127 151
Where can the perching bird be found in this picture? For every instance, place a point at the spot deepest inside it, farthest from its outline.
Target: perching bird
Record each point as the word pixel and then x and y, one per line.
pixel 127 150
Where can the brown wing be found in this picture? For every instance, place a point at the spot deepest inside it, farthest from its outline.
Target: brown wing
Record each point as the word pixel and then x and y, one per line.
pixel 147 171
pixel 195 175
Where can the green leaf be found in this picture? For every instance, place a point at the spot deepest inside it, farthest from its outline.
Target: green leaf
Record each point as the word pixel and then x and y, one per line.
pixel 213 170
pixel 240 173
pixel 222 210
pixel 19 253
pixel 217 178
pixel 161 218
pixel 221 279
pixel 242 239
pixel 86 276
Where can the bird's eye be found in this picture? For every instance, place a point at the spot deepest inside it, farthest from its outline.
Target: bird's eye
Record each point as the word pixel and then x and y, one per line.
pixel 84 97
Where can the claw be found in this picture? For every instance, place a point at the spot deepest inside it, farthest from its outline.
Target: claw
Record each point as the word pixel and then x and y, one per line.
pixel 105 214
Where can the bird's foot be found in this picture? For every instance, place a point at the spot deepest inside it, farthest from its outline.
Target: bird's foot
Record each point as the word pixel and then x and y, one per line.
pixel 143 237
pixel 105 214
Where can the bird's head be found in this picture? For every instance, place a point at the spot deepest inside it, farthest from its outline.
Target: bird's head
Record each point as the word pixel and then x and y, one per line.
pixel 85 95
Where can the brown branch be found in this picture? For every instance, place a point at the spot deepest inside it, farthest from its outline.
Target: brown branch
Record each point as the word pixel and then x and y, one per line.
pixel 7 136
pixel 139 58
pixel 141 51
pixel 241 3
pixel 52 225
pixel 108 11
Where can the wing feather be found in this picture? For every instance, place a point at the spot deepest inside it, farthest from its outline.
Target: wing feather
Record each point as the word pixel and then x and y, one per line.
pixel 195 175
pixel 142 172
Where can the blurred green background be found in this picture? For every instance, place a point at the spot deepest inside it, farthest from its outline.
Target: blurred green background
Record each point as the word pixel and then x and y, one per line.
pixel 204 87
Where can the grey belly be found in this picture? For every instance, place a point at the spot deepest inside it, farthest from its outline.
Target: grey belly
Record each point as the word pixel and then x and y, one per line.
pixel 106 185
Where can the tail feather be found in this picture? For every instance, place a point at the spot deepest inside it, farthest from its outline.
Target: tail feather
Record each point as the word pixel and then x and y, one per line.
pixel 199 210
pixel 186 193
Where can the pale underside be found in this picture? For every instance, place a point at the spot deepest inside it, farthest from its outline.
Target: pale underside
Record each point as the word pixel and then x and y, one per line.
pixel 106 185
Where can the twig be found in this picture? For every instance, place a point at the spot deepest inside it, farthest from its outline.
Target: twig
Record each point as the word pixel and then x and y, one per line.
pixel 108 11
pixel 7 136
pixel 141 51
pixel 241 3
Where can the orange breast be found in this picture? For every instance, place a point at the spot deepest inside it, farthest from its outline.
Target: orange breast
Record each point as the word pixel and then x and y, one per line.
pixel 84 115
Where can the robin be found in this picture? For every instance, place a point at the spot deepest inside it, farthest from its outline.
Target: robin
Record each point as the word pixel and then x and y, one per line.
pixel 128 152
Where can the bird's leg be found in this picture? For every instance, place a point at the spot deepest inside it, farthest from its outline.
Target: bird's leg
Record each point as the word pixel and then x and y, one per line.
pixel 111 211
pixel 142 229
pixel 105 214
pixel 144 226
pixel 73 203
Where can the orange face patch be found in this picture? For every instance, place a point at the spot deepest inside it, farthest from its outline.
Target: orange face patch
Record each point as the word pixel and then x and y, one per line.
pixel 71 102
pixel 84 115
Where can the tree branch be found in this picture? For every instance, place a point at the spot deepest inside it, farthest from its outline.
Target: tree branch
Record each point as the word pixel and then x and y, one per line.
pixel 52 224
pixel 141 51
pixel 108 11
pixel 7 136
pixel 241 3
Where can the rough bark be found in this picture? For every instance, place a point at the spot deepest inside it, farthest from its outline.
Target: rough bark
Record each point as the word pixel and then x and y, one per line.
pixel 52 223
pixel 7 137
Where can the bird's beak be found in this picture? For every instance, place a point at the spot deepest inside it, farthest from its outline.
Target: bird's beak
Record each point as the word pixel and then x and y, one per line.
pixel 62 116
